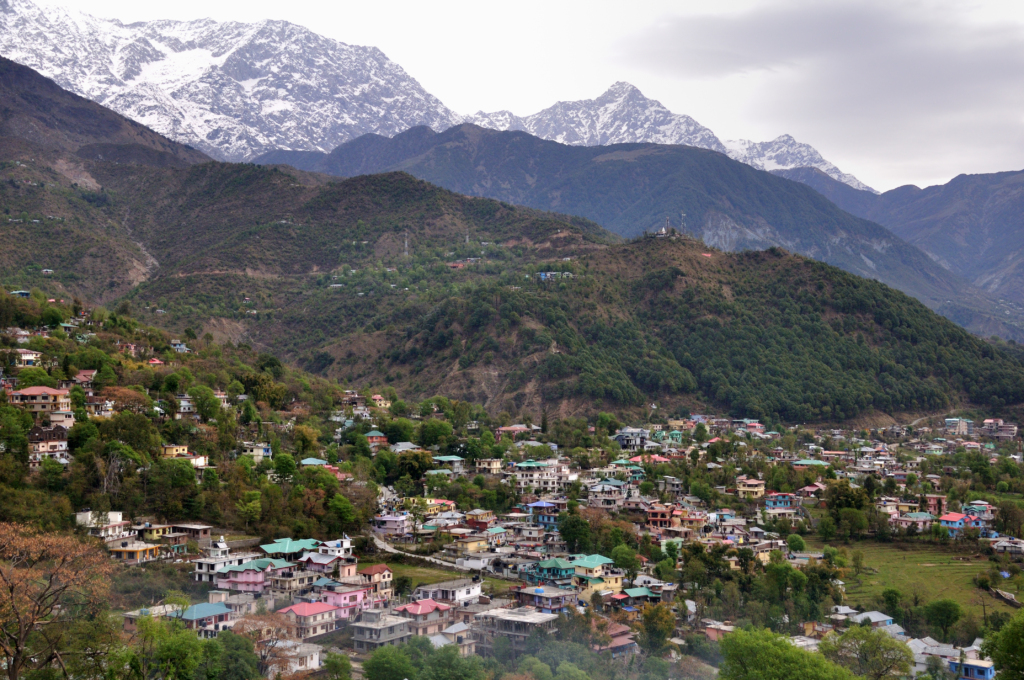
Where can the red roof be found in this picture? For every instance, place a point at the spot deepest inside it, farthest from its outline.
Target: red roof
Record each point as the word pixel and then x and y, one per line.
pixel 36 391
pixel 620 596
pixel 375 569
pixel 422 607
pixel 308 608
pixel 952 517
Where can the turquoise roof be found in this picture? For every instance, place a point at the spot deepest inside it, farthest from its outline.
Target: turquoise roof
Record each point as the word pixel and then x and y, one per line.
pixel 555 563
pixel 287 546
pixel 374 433
pixel 639 592
pixel 810 461
pixel 591 561
pixel 312 461
pixel 448 459
pixel 202 611
pixel 257 565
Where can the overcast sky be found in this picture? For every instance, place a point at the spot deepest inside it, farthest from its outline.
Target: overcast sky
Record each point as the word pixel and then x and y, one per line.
pixel 895 92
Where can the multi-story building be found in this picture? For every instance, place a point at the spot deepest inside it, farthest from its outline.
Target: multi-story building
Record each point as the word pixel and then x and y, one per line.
pixel 379 578
pixel 258 451
pixel 250 577
pixel 40 400
pixel 133 552
pixel 218 556
pixel 47 443
pixel 426 617
pixel 108 526
pixel 515 625
pixel 749 487
pixel 376 628
pixel 310 619
pixel 393 525
pixel 611 497
pixel 460 592
pixel 546 599
pixel 289 585
pixel 349 599
pixel 488 466
pixel 553 572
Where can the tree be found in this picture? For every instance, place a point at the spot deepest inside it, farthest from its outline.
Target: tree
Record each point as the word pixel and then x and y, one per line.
pixel 284 467
pixel 763 655
pixel 943 614
pixel 796 543
pixel 33 376
pixel 657 624
pixel 45 581
pixel 271 635
pixel 1006 648
pixel 575 531
pixel 249 507
pixel 206 402
pixel 827 528
pixel 389 663
pixel 625 558
pixel 868 652
pixel 343 511
pixel 337 666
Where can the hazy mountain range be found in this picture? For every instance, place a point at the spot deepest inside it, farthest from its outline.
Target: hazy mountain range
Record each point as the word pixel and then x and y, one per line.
pixel 237 90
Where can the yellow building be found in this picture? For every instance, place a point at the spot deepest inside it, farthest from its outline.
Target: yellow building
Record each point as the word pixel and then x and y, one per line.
pixel 173 450
pixel 134 552
pixel 470 545
pixel 748 487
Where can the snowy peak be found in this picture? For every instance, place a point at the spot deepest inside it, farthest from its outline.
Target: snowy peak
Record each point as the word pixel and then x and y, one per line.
pixel 622 114
pixel 785 153
pixel 234 90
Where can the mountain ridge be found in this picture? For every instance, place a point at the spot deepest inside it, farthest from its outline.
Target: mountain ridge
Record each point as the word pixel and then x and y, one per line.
pixel 238 90
pixel 632 188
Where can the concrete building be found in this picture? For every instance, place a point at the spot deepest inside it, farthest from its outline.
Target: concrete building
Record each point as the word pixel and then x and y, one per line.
pixel 376 628
pixel 516 625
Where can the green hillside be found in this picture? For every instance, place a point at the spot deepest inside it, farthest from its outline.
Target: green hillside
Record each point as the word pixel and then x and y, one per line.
pixel 633 188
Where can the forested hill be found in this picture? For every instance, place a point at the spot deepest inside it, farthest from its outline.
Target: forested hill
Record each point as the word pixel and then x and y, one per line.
pixel 631 188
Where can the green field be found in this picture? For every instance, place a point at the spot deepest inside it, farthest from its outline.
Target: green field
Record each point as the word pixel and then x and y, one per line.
pixel 427 575
pixel 927 571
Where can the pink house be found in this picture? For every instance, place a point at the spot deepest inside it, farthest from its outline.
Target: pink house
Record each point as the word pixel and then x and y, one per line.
pixel 350 600
pixel 250 577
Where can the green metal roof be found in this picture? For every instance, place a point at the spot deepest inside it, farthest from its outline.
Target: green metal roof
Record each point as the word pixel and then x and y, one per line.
pixel 256 565
pixel 287 546
pixel 639 592
pixel 592 561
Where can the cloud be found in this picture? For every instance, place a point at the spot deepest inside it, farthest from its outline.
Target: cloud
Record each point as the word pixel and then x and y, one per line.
pixel 917 88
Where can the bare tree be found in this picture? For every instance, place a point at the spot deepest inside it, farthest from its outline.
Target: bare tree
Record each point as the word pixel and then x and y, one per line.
pixel 47 581
pixel 271 635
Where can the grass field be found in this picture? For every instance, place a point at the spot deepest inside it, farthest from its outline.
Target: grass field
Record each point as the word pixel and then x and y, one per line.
pixel 927 571
pixel 427 575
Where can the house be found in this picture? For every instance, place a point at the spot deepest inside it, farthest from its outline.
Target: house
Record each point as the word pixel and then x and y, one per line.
pixel 749 487
pixel 349 599
pixel 380 402
pixel 195 532
pixel 258 451
pixel 379 577
pixel 426 617
pixel 291 584
pixel 459 634
pixel 454 463
pixel 207 619
pixel 393 525
pixel 488 466
pixel 956 523
pixel 287 548
pixel 546 599
pixel 134 552
pixel 47 443
pixel 973 669
pixel 310 619
pixel 26 357
pixel 936 503
pixel 376 628
pixel 110 527
pixel 40 400
pixel 376 439
pixel 179 347
pixel 470 544
pixel 873 618
pixel 545 514
pixel 460 592
pixel 218 556
pixel 554 572
pixel 299 657
pixel 515 625
pixel 920 521
pixel 775 501
pixel 173 450
pixel 250 577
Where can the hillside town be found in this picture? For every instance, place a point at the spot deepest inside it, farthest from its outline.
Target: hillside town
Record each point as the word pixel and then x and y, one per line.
pixel 527 527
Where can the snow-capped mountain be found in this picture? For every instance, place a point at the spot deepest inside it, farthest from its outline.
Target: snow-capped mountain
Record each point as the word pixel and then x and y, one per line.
pixel 620 115
pixel 623 114
pixel 785 153
pixel 237 90
pixel 232 90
